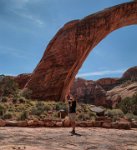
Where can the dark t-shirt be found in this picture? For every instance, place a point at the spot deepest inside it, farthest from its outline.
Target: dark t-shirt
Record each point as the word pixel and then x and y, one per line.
pixel 72 106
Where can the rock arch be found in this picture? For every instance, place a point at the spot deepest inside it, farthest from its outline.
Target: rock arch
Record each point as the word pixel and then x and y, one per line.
pixel 71 45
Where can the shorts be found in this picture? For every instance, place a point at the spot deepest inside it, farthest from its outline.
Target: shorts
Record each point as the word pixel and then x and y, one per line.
pixel 72 116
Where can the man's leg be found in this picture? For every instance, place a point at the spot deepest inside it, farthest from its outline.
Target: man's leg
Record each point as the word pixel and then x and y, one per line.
pixel 73 125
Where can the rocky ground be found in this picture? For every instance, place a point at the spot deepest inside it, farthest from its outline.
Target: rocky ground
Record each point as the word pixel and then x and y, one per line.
pixel 60 139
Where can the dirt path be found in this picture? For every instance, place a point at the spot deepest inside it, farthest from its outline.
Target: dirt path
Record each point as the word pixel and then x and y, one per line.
pixel 60 139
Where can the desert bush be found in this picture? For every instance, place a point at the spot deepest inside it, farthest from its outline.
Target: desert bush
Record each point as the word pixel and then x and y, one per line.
pixel 86 116
pixel 114 113
pixel 7 115
pixel 14 100
pixel 20 107
pixel 61 105
pixel 22 100
pixel 131 116
pixel 26 93
pixel 11 108
pixel 55 115
pixel 129 105
pixel 38 109
pixel 23 115
pixel 4 99
pixel 47 107
pixel 83 117
pixel 8 86
pixel 92 114
pixel 2 110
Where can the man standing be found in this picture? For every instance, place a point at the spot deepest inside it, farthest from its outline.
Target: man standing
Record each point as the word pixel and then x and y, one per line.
pixel 72 112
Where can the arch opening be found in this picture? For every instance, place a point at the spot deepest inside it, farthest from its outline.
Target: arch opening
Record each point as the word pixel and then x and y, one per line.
pixel 93 84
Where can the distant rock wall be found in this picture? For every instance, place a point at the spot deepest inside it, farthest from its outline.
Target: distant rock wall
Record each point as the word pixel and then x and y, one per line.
pixel 108 83
pixel 106 91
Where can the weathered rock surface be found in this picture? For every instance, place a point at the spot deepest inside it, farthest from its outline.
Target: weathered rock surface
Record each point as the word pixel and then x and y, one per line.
pixel 130 74
pixel 22 79
pixel 60 139
pixel 88 92
pixel 69 48
pixel 2 123
pixel 120 92
pixel 106 91
pixel 108 83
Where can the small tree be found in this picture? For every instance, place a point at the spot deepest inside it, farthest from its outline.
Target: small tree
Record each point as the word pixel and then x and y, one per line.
pixel 129 105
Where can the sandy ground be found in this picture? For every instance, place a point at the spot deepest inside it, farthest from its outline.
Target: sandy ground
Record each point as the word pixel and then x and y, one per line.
pixel 61 139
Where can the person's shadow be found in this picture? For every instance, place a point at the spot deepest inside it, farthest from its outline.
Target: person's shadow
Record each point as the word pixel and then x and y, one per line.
pixel 76 134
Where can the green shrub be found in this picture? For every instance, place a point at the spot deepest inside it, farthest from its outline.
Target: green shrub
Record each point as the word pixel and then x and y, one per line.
pixel 23 115
pixel 7 115
pixel 55 115
pixel 22 100
pixel 38 109
pixel 47 107
pixel 61 105
pixel 83 117
pixel 131 116
pixel 2 110
pixel 86 116
pixel 4 99
pixel 14 100
pixel 8 86
pixel 129 105
pixel 11 108
pixel 114 113
pixel 26 93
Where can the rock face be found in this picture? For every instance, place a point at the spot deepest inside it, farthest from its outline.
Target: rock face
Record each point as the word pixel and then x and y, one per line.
pixel 106 91
pixel 22 79
pixel 120 92
pixel 83 90
pixel 88 92
pixel 69 48
pixel 131 74
pixel 108 83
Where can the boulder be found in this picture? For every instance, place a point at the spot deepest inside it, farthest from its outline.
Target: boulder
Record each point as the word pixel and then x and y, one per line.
pixel 134 124
pixel 106 125
pixel 49 124
pixel 22 123
pixel 11 123
pixel 33 123
pixel 2 123
pixel 121 125
pixel 59 124
pixel 98 123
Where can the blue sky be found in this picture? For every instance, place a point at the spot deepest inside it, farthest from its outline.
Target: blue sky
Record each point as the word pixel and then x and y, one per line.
pixel 26 27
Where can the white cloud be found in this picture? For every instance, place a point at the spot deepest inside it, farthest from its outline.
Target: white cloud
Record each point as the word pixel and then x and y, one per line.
pixel 100 73
pixel 30 17
pixel 19 8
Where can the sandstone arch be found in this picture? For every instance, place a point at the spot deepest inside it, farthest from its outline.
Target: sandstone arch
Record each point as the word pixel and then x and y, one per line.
pixel 69 48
